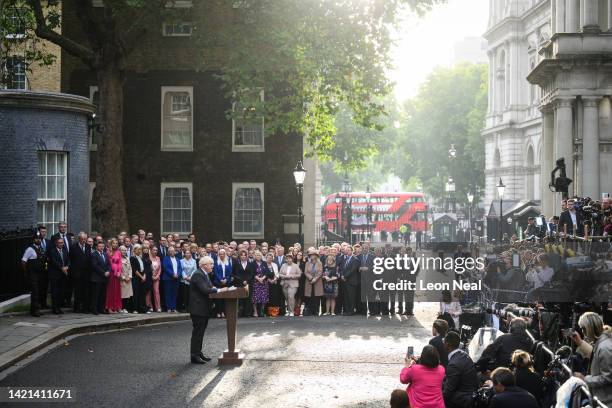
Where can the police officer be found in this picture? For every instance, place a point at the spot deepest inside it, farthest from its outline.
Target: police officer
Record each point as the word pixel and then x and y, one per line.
pixel 35 267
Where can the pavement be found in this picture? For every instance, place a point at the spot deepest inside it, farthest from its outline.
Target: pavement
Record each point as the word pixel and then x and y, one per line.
pixel 21 335
pixel 324 361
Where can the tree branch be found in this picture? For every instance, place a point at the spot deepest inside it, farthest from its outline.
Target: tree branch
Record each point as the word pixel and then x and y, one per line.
pixel 43 31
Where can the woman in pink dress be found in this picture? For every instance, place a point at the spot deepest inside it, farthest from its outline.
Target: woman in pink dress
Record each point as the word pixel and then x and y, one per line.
pixel 424 378
pixel 113 290
pixel 156 266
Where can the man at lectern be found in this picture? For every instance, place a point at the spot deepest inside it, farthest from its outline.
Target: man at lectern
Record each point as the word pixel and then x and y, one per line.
pixel 199 307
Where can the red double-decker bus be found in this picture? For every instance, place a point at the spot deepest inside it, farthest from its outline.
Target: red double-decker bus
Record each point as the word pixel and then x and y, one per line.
pixel 389 211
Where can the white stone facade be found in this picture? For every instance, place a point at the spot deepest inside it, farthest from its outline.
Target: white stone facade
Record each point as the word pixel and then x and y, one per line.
pixel 550 81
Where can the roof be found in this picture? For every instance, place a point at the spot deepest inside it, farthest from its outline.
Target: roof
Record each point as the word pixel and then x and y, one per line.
pixel 440 216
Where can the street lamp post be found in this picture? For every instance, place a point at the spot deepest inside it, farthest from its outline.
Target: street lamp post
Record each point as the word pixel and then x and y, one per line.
pixel 299 174
pixel 368 195
pixel 338 200
pixel 450 189
pixel 346 187
pixel 500 190
pixel 470 197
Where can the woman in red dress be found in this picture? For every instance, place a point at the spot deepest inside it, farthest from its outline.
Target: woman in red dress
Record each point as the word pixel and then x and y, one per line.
pixel 113 289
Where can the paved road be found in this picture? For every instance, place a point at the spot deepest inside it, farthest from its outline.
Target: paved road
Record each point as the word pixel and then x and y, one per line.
pixel 298 362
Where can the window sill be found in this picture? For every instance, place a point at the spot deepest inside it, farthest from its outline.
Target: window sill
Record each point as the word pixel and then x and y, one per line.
pixel 176 149
pixel 248 149
pixel 247 235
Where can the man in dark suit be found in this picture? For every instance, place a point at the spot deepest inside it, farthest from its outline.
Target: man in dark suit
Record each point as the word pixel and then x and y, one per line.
pixel 351 279
pixel 507 394
pixel 45 246
pixel 439 330
pixel 461 379
pixel 366 263
pixel 80 265
pixel 279 259
pixel 100 271
pixel 199 307
pixel 63 234
pixel 570 221
pixel 58 265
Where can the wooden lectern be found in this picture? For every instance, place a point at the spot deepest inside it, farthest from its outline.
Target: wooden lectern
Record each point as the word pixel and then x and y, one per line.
pixel 231 356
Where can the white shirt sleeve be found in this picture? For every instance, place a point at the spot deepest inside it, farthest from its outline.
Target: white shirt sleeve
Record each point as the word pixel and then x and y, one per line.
pixel 29 254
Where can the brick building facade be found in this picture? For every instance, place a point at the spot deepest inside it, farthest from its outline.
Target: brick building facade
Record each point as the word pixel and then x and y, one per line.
pixel 186 167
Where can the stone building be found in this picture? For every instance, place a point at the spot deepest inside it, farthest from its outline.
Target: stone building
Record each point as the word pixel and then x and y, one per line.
pixel 563 52
pixel 186 166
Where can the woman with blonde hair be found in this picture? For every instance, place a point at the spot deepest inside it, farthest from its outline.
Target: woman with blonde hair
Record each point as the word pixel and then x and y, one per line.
pixel 113 289
pixel 313 284
pixel 525 375
pixel 597 346
pixel 330 284
pixel 153 298
pixel 126 281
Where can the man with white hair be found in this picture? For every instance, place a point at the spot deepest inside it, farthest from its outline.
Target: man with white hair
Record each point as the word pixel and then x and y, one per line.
pixel 199 307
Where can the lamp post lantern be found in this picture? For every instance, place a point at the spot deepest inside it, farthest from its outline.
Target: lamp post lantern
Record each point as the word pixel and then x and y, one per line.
pixel 470 197
pixel 299 174
pixel 501 187
pixel 347 188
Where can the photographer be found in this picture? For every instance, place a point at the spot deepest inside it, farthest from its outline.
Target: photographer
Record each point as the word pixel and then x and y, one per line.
pixel 507 394
pixel 541 275
pixel 499 353
pixel 598 347
pixel 525 375
pixel 532 228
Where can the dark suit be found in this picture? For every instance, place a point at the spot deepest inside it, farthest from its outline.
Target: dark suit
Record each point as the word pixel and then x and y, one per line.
pixel 240 275
pixel 566 219
pixel 350 272
pixel 56 260
pixel 438 343
pixel 513 397
pixel 100 264
pixel 460 382
pixel 199 308
pixel 45 245
pixel 80 271
pixel 366 260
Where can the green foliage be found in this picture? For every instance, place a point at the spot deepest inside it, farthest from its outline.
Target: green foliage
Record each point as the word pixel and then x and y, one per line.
pixel 312 57
pixel 449 109
pixel 17 37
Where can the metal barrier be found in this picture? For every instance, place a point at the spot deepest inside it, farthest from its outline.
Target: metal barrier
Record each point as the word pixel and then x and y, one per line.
pixel 583 389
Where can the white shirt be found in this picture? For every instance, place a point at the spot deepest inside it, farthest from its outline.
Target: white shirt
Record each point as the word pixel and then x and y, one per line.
pixel 543 276
pixel 139 258
pixel 573 215
pixel 174 267
pixel 29 253
pixel 244 264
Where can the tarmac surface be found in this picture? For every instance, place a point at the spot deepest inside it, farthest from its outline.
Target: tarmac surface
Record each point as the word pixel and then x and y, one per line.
pixel 325 361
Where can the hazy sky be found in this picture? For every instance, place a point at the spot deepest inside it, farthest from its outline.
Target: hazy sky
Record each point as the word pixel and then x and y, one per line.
pixel 428 42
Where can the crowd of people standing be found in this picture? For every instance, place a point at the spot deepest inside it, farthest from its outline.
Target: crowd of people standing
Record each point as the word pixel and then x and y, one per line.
pixel 140 274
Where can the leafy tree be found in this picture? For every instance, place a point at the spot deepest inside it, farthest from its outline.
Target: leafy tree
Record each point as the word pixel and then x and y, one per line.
pixel 310 55
pixel 449 109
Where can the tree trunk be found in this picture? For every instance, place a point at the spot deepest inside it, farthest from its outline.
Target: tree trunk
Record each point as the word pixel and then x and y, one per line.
pixel 109 209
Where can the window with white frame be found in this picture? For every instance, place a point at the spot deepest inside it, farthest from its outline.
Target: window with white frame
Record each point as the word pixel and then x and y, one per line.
pixel 177 118
pixel 16 23
pixel 248 131
pixel 176 208
pixel 94 134
pixel 52 188
pixel 178 29
pixel 248 210
pixel 15 71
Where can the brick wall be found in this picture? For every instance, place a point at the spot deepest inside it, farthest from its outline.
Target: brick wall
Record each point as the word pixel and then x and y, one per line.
pixel 24 132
